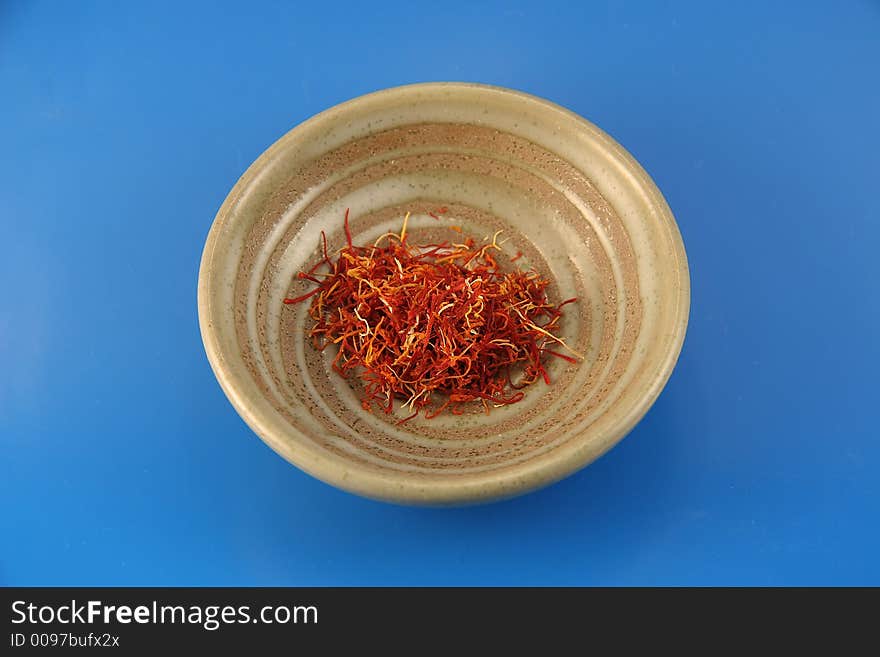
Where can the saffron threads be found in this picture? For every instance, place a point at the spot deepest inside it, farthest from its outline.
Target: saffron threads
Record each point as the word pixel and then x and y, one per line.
pixel 435 326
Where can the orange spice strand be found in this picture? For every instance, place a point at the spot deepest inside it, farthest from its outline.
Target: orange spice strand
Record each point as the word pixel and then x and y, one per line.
pixel 434 327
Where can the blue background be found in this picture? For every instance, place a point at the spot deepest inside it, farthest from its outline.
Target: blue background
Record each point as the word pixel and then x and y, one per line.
pixel 124 125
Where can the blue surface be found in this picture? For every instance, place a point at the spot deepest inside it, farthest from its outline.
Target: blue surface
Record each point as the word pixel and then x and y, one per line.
pixel 122 128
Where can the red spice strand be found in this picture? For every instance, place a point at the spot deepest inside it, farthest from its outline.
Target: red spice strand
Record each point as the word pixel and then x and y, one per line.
pixel 558 355
pixel 305 296
pixel 347 229
pixel 409 417
pixel 417 322
pixel 439 211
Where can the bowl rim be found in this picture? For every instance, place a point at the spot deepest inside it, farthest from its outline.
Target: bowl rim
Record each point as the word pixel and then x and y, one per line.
pixel 482 487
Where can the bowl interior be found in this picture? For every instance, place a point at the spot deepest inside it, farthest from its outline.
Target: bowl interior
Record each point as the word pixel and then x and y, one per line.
pixel 563 194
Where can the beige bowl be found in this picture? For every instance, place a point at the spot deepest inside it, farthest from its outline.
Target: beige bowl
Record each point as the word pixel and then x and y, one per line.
pixel 568 197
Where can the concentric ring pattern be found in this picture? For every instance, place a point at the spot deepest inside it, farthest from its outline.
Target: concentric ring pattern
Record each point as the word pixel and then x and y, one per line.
pixel 561 192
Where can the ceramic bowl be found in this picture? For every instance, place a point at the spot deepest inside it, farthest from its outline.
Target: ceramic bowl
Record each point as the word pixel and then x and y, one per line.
pixel 578 207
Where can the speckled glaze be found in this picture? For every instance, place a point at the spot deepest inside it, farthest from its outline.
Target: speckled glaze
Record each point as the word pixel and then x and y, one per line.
pixel 578 207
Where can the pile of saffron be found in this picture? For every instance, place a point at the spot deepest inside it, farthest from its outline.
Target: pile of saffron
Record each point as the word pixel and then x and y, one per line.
pixel 434 326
